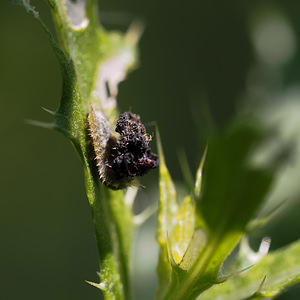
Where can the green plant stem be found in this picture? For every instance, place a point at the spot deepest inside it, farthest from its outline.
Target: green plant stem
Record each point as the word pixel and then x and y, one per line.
pixel 112 241
pixel 194 277
pixel 85 50
pixel 204 272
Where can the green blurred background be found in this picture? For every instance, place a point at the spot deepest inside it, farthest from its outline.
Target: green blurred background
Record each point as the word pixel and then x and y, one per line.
pixel 201 62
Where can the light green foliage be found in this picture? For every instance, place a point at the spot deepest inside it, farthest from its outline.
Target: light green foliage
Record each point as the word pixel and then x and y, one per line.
pixel 233 190
pixel 176 224
pixel 266 279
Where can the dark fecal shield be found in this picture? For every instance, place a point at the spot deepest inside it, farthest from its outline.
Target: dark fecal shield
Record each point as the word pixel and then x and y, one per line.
pixel 120 159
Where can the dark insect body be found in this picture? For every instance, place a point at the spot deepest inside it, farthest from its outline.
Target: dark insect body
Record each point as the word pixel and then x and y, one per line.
pixel 133 155
pixel 126 157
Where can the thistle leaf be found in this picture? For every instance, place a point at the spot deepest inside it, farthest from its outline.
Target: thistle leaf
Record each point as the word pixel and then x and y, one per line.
pixel 166 220
pixel 232 192
pixel 281 269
